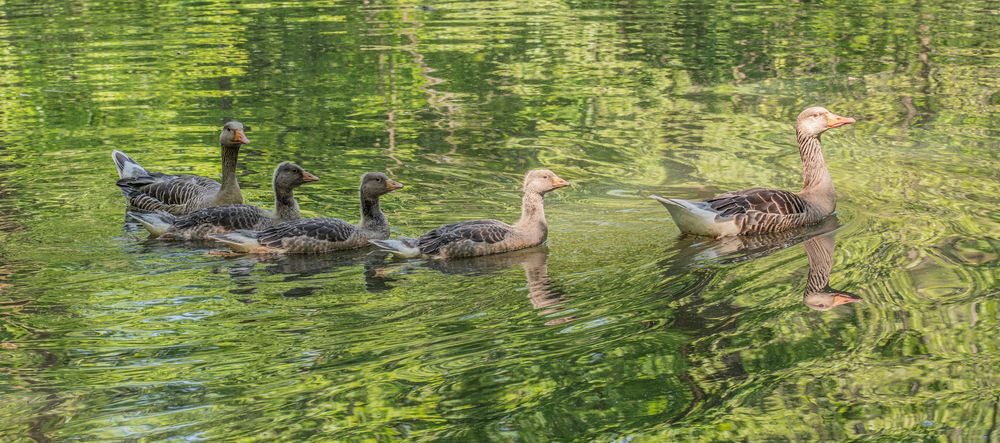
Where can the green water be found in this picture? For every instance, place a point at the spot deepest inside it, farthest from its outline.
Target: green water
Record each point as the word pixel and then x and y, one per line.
pixel 618 330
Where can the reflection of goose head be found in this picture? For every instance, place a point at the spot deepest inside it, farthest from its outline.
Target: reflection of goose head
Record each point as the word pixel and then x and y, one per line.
pixel 819 295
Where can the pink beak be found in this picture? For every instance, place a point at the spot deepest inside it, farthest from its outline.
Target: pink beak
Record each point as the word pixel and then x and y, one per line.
pixel 241 137
pixel 836 121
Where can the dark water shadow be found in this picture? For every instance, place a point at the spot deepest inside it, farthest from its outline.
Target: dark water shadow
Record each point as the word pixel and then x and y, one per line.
pixel 300 267
pixel 543 294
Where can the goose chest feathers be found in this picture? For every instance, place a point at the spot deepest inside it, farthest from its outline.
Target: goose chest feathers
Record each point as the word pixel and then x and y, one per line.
pixel 762 210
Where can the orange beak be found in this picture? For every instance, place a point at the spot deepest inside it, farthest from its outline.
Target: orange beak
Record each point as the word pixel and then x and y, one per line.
pixel 559 183
pixel 241 137
pixel 836 121
pixel 843 299
pixel 308 177
pixel 393 185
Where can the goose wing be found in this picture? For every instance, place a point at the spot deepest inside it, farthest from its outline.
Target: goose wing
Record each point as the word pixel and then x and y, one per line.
pixel 229 216
pixel 163 192
pixel 333 230
pixel 760 210
pixel 768 201
pixel 478 231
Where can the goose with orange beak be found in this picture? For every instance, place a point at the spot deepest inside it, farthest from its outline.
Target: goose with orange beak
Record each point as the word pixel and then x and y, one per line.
pixel 182 193
pixel 320 235
pixel 762 210
pixel 484 237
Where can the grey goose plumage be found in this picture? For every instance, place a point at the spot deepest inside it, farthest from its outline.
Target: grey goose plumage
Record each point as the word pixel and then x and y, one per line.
pixel 483 237
pixel 762 210
pixel 183 193
pixel 319 235
pixel 218 219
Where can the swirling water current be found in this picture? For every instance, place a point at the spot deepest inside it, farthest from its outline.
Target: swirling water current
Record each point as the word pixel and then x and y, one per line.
pixel 617 330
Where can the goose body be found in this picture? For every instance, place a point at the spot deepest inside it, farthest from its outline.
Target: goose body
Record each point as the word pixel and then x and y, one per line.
pixel 483 237
pixel 319 235
pixel 762 210
pixel 199 224
pixel 182 194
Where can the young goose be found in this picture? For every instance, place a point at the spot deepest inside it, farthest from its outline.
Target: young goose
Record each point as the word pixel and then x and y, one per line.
pixel 318 235
pixel 484 237
pixel 760 210
pixel 182 194
pixel 218 219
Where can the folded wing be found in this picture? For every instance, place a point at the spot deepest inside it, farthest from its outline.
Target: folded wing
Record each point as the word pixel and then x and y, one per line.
pixel 476 231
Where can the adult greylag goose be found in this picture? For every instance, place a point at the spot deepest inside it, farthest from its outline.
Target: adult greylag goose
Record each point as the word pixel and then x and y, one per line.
pixel 818 295
pixel 484 237
pixel 318 235
pixel 761 210
pixel 218 219
pixel 182 194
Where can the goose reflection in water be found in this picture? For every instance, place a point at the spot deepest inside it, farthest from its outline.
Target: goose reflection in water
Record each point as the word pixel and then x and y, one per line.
pixel 819 295
pixel 302 267
pixel 818 241
pixel 541 293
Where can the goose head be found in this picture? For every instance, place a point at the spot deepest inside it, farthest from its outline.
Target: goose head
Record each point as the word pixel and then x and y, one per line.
pixel 377 184
pixel 541 181
pixel 816 120
pixel 233 135
pixel 825 301
pixel 289 175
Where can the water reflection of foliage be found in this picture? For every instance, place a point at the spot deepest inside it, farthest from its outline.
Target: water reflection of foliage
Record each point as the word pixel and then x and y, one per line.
pixel 688 97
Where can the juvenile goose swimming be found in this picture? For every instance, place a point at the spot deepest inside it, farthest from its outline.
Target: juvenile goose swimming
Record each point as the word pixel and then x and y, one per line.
pixel 483 237
pixel 761 210
pixel 182 194
pixel 318 235
pixel 218 219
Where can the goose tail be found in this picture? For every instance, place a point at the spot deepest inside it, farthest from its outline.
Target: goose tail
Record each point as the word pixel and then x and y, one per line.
pixel 405 247
pixel 127 168
pixel 696 217
pixel 239 241
pixel 157 223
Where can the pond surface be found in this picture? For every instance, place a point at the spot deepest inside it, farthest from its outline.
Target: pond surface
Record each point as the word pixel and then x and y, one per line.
pixel 617 330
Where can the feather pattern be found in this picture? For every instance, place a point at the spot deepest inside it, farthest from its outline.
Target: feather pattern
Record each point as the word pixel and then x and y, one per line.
pixel 460 238
pixel 199 224
pixel 176 194
pixel 314 235
pixel 760 210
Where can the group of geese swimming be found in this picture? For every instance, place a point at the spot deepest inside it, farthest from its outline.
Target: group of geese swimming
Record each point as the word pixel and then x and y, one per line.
pixel 191 207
